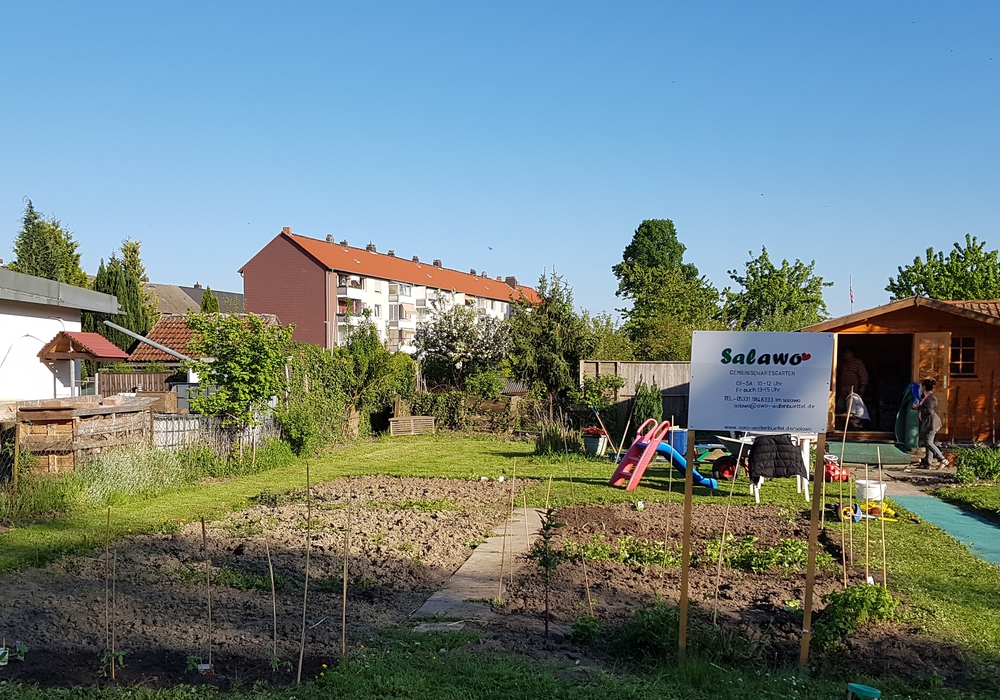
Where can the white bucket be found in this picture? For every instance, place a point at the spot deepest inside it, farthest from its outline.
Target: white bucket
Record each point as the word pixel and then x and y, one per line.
pixel 870 490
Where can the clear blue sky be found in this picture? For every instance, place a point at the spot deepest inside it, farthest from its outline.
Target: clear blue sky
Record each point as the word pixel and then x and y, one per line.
pixel 857 134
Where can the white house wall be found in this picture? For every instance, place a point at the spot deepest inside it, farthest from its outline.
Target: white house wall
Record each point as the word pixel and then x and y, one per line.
pixel 24 329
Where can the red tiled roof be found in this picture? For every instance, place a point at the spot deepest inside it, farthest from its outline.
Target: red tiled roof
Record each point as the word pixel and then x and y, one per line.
pixel 363 262
pixel 528 293
pixel 171 331
pixel 100 347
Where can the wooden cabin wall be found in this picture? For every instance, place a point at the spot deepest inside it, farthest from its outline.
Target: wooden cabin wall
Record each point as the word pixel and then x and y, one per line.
pixel 971 401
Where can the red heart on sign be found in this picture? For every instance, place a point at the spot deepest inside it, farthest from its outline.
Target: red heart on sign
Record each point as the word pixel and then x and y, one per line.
pixel 805 356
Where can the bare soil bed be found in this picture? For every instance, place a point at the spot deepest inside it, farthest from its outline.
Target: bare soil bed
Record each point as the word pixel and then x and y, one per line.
pixel 408 537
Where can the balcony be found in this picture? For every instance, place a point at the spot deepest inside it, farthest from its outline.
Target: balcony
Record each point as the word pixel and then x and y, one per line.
pixel 351 291
pixel 349 319
pixel 408 324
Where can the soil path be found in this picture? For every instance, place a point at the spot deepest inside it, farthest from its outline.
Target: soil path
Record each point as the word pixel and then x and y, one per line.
pixel 478 578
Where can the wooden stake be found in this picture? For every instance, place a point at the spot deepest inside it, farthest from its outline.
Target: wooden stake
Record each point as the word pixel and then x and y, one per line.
pixel 347 555
pixel 548 492
pixel 107 584
pixel 867 526
pixel 843 530
pixel 725 525
pixel 17 457
pixel 503 557
pixel 510 516
pixel 686 550
pixel 885 582
pixel 305 592
pixel 208 584
pixel 813 547
pixel 583 560
pixel 114 607
pixel 274 601
pixel 670 493
pixel 527 536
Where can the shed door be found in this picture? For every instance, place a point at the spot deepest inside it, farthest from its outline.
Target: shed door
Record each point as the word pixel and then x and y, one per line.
pixel 931 357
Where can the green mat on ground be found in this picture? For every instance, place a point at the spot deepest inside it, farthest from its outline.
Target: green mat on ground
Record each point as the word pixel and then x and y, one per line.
pixel 865 452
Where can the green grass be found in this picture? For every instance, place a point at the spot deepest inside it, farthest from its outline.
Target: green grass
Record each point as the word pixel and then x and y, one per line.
pixel 404 665
pixel 984 500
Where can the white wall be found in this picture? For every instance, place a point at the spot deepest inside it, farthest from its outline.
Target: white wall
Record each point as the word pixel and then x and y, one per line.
pixel 24 329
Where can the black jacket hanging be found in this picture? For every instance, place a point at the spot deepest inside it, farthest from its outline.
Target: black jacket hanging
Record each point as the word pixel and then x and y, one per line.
pixel 775 457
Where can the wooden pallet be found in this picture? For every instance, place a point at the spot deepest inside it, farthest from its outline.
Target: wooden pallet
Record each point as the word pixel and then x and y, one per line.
pixel 411 425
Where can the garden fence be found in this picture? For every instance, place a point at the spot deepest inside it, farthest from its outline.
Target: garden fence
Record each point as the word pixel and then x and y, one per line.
pixel 173 431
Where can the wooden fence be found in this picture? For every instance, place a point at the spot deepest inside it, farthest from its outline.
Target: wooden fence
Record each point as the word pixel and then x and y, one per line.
pixel 673 379
pixel 111 383
pixel 411 425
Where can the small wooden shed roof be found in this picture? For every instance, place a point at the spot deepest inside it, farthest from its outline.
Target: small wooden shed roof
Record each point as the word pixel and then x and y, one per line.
pixel 987 311
pixel 71 345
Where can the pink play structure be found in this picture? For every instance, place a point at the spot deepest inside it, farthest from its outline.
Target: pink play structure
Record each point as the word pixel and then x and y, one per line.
pixel 643 451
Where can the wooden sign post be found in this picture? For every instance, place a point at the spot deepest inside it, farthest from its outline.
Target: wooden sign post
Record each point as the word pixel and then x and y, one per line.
pixel 817 505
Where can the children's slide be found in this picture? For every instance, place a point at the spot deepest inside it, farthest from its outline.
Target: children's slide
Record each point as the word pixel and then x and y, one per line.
pixel 648 442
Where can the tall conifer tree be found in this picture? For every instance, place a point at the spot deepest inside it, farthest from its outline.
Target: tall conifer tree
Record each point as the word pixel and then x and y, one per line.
pixel 45 249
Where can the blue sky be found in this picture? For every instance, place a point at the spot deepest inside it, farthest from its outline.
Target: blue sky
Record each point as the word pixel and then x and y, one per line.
pixel 503 136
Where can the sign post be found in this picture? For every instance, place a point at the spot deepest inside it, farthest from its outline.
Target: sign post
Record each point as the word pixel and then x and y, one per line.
pixel 759 382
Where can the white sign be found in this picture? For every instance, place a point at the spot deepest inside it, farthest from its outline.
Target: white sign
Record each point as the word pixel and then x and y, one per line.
pixel 760 381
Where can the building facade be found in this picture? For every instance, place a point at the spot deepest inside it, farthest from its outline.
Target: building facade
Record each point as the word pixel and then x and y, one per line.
pixel 326 288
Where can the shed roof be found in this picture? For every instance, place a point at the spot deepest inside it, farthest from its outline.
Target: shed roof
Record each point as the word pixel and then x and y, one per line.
pixel 360 261
pixel 15 286
pixel 984 311
pixel 83 346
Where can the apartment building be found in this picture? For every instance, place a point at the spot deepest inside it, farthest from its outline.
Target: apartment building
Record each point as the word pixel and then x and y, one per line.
pixel 326 287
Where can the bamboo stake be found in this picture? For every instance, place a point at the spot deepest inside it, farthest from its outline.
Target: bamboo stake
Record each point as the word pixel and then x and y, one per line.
pixel 527 537
pixel 347 554
pixel 867 521
pixel 305 592
pixel 510 516
pixel 670 492
pixel 208 585
pixel 274 602
pixel 813 547
pixel 850 492
pixel 586 577
pixel 686 551
pixel 107 585
pixel 885 582
pixel 725 525
pixel 114 607
pixel 17 457
pixel 503 557
pixel 548 492
pixel 843 544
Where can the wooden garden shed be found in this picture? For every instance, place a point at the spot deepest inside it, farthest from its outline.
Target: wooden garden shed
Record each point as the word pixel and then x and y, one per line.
pixel 956 343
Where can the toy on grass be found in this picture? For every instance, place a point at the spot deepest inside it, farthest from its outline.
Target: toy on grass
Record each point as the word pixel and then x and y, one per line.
pixel 864 510
pixel 832 471
pixel 648 442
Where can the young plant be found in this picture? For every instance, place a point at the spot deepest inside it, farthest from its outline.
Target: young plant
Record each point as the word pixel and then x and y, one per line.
pixel 110 660
pixel 546 557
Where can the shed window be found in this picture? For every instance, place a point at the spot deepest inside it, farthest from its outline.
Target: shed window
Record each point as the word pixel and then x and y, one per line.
pixel 963 357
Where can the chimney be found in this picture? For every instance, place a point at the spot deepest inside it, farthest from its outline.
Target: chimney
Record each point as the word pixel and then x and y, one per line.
pixel 499 278
pixel 471 272
pixel 286 229
pixel 391 253
pixel 344 243
pixel 511 281
pixel 329 238
pixel 437 263
pixel 416 259
pixel 485 275
pixel 197 285
pixel 371 248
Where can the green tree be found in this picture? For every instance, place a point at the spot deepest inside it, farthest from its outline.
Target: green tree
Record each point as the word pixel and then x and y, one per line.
pixel 45 249
pixel 457 344
pixel 549 339
pixel 123 277
pixel 774 298
pixel 608 338
pixel 209 302
pixel 246 368
pixel 669 297
pixel 969 272
pixel 370 376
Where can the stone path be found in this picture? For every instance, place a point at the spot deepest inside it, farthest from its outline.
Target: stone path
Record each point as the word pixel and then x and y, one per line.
pixel 477 578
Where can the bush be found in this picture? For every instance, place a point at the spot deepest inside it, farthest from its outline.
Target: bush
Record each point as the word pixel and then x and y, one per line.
pixel 648 403
pixel 980 463
pixel 556 439
pixel 846 611
pixel 449 407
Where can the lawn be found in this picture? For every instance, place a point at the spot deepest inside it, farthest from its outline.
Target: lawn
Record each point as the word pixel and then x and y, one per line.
pixel 984 500
pixel 947 592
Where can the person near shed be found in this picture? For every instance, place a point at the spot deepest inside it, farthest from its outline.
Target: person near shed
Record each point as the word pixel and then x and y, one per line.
pixel 930 424
pixel 852 376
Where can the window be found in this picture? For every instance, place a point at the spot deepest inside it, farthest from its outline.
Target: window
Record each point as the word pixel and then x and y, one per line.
pixel 963 357
pixel 377 312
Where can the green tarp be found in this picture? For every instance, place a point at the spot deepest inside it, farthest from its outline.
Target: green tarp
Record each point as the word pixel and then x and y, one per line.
pixel 866 453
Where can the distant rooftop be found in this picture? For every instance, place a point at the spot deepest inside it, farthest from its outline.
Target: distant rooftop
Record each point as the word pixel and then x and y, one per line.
pixel 174 300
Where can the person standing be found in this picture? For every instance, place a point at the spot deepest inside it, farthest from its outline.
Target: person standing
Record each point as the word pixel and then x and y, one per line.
pixel 852 376
pixel 930 424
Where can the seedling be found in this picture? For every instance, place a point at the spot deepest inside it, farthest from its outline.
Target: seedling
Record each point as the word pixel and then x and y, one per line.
pixel 110 660
pixel 547 557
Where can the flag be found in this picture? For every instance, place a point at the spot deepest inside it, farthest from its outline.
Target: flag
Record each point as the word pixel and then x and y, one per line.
pixel 850 284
